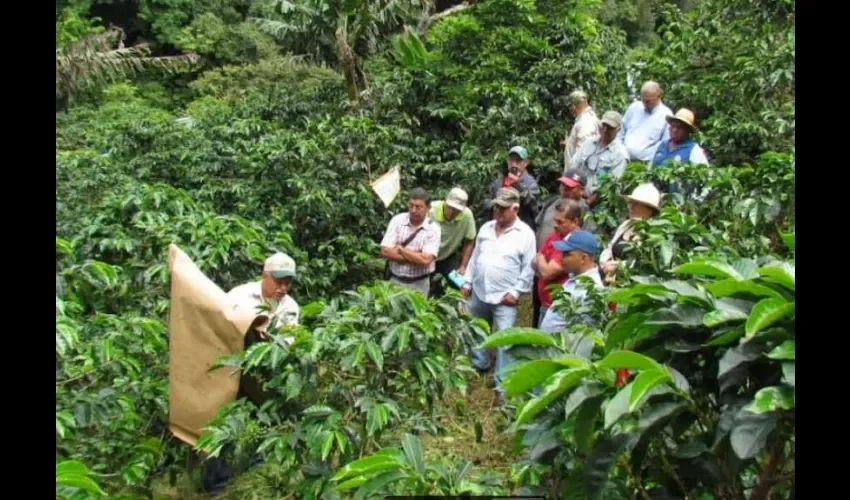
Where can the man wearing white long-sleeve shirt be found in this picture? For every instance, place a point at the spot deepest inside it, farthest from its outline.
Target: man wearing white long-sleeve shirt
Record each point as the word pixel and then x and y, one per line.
pixel 499 271
pixel 645 123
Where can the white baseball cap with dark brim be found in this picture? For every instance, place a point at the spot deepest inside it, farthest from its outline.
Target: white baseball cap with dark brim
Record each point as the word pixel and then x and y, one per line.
pixel 280 266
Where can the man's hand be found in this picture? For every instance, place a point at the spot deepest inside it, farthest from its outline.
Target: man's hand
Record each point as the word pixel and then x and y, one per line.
pixel 461 270
pixel 466 291
pixel 509 300
pixel 399 250
pixel 564 142
pixel 591 200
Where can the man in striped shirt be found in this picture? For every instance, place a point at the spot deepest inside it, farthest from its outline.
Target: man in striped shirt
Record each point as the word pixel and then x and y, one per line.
pixel 411 244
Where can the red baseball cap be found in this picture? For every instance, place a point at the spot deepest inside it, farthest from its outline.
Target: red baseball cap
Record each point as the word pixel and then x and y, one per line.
pixel 569 182
pixel 572 179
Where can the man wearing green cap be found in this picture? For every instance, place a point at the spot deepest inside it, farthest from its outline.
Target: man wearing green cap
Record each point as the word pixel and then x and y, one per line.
pixel 271 292
pixel 584 128
pixel 517 177
pixel 269 299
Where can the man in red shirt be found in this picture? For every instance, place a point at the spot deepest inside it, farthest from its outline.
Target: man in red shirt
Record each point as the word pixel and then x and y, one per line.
pixel 566 218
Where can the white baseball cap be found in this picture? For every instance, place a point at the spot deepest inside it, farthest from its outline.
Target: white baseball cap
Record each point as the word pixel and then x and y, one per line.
pixel 279 266
pixel 457 199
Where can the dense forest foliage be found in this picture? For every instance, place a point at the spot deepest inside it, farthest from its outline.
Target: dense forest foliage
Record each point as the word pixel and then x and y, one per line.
pixel 236 128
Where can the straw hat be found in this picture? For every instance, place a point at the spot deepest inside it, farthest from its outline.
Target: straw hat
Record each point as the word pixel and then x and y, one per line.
pixel 685 116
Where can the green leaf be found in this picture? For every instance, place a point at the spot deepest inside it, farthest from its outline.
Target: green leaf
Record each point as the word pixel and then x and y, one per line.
pixel 766 313
pixel 529 375
pixel 668 248
pixel 618 406
pixel 686 290
pixel 686 315
pixel 327 444
pixel 750 432
pixel 81 482
pixel 318 411
pixel 789 373
pixel 627 359
pixel 375 484
pixel 585 423
pixel 643 383
pixel 294 383
pixel 341 441
pixel 71 467
pixel 729 287
pixel 588 389
pixel 782 274
pixel 413 450
pixel 385 459
pixel 772 399
pixel 626 327
pixel 375 354
pixel 710 267
pixel 746 268
pixel 653 419
pixel 742 353
pixel 786 350
pixel 727 310
pixel 788 238
pixel 601 459
pixel 352 483
pixel 726 336
pixel 518 336
pixel 560 383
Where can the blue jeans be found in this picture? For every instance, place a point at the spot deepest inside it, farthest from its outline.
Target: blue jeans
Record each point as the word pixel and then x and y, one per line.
pixel 500 317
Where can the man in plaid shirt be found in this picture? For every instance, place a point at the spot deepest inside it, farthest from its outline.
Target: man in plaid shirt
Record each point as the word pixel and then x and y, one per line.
pixel 411 244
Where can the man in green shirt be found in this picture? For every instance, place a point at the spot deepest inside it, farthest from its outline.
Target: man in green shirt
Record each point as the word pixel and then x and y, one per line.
pixel 457 235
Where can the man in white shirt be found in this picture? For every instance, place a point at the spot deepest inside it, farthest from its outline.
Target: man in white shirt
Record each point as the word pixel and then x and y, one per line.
pixel 411 244
pixel 579 250
pixel 585 127
pixel 499 271
pixel 269 299
pixel 270 296
pixel 645 123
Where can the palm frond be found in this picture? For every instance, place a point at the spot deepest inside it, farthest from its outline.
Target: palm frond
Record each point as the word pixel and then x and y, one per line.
pixel 94 61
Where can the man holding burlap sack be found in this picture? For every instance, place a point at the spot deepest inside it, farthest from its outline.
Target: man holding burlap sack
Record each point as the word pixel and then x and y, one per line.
pixel 206 324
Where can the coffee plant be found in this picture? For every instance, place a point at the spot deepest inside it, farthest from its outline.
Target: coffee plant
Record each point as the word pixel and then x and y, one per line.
pixel 688 390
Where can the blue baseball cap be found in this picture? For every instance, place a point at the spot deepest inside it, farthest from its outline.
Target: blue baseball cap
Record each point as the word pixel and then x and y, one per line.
pixel 583 241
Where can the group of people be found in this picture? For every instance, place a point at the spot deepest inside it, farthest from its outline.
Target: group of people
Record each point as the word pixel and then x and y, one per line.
pixel 526 246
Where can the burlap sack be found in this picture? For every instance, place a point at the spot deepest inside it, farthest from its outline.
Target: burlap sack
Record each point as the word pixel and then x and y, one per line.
pixel 204 325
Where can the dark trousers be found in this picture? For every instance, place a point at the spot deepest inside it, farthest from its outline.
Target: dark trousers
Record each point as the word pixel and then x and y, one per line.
pixel 443 268
pixel 536 301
